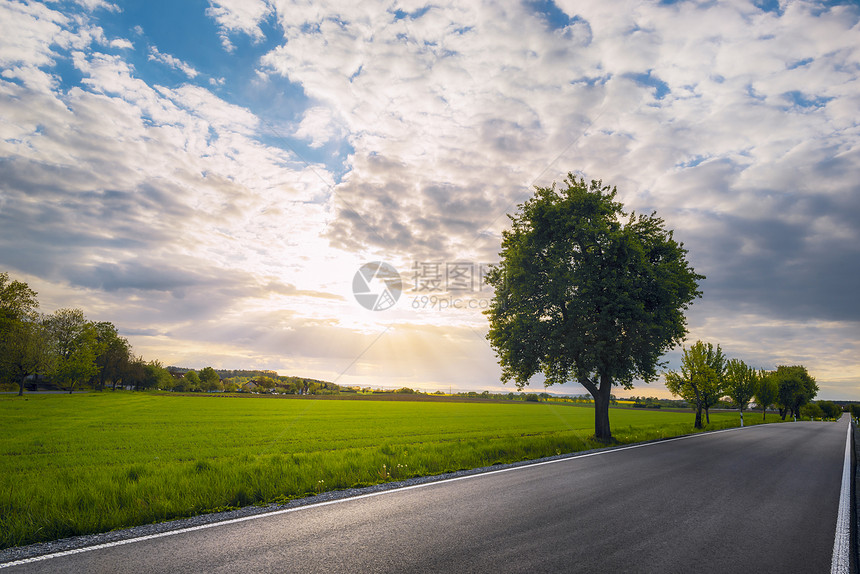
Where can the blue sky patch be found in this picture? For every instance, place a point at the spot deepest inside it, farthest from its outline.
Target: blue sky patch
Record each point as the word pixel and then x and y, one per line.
pixel 771 6
pixel 401 14
pixel 555 17
pixel 661 88
pixel 801 100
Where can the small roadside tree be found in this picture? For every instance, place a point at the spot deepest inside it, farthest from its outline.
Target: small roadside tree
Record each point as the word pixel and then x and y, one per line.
pixel 766 392
pixel 796 387
pixel 713 390
pixel 584 292
pixel 741 384
pixel 830 409
pixel 813 411
pixel 699 380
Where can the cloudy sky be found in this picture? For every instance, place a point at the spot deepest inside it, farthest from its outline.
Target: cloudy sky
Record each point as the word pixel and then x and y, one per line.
pixel 210 176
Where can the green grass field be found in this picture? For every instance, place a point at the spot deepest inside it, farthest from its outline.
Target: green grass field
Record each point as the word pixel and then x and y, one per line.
pixel 84 463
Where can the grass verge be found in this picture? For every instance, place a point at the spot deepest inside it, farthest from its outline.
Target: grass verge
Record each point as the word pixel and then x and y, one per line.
pixel 80 464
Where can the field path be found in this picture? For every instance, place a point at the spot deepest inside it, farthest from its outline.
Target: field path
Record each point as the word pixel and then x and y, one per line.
pixel 759 499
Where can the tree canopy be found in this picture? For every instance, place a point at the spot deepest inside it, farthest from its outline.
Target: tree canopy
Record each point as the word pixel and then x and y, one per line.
pixel 795 388
pixel 587 293
pixel 699 381
pixel 766 391
pixel 17 301
pixel 24 342
pixel 741 382
pixel 63 347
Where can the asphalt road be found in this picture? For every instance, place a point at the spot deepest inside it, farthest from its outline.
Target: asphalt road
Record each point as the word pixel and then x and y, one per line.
pixel 759 499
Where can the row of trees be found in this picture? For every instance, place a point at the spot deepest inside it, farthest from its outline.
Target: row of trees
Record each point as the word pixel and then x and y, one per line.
pixel 706 376
pixel 64 348
pixel 283 385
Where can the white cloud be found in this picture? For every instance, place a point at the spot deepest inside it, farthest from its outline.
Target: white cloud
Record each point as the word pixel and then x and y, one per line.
pixel 172 62
pixel 239 16
pixel 93 5
pixel 28 31
pixel 319 126
pixel 736 124
pixel 122 44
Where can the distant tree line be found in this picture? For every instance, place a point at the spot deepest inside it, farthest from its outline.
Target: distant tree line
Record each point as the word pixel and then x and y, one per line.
pixel 62 349
pixel 707 376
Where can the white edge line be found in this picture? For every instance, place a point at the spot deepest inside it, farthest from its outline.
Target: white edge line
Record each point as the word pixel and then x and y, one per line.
pixel 840 564
pixel 351 498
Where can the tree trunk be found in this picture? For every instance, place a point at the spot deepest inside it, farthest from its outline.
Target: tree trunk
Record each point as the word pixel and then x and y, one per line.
pixel 742 419
pixel 602 431
pixel 21 386
pixel 698 423
pixel 601 395
pixel 708 416
pixel 764 414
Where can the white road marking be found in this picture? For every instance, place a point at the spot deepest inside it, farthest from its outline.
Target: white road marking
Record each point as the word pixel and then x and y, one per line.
pixel 842 541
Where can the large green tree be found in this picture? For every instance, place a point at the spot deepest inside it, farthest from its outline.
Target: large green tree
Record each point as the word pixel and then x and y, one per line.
pixel 741 382
pixel 585 292
pixel 699 381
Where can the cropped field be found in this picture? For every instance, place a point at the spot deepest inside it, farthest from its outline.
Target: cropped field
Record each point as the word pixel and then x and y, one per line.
pixel 76 464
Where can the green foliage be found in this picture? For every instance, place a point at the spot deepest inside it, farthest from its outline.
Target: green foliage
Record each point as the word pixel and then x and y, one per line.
pixel 113 355
pixel 190 381
pixel 75 343
pixel 17 300
pixel 795 388
pixel 829 409
pixel 24 342
pixel 700 379
pixel 155 376
pixel 209 380
pixel 588 294
pixel 741 383
pixel 766 392
pixel 812 411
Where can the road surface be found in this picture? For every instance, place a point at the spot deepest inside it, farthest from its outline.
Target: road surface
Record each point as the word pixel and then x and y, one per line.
pixel 759 499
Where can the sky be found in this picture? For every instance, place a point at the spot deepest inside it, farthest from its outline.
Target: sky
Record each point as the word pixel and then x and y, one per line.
pixel 240 183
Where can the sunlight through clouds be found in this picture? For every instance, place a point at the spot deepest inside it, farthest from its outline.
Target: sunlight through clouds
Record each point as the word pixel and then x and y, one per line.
pixel 212 178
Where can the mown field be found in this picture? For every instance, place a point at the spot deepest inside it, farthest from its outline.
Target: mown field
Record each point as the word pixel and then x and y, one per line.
pixel 84 463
